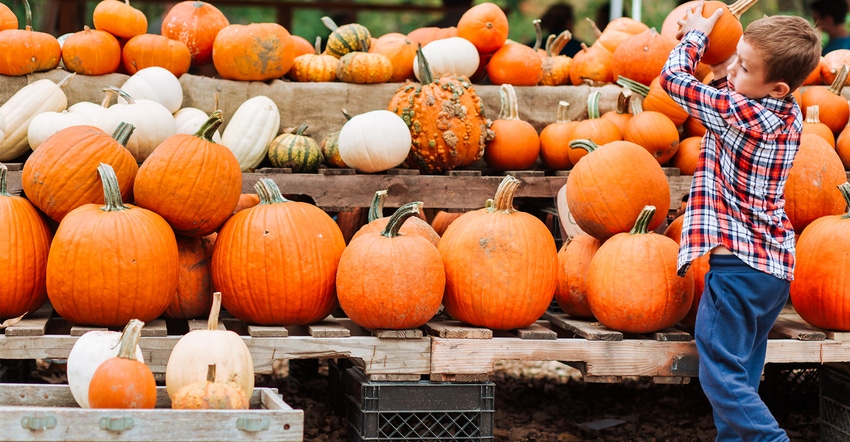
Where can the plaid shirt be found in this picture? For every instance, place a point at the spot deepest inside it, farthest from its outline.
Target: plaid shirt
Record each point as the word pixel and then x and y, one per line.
pixel 737 197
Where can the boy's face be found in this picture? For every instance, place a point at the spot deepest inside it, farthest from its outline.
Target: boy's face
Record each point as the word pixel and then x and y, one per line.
pixel 747 73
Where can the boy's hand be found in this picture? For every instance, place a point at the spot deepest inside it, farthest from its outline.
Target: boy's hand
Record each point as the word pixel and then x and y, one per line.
pixel 694 20
pixel 719 70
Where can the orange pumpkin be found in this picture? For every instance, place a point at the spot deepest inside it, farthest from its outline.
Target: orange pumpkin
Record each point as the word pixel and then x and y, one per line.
pixel 658 100
pixel 515 64
pixel 819 289
pixel 814 77
pixel 364 68
pixel 594 127
pixel 195 23
pixel 123 381
pixel 610 186
pixel 617 31
pixel 22 281
pixel 670 26
pixel 194 283
pixel 642 56
pixel 592 65
pixel 112 263
pixel 377 222
pixel 686 155
pixel 693 128
pixel 146 50
pixel 835 111
pixel 516 144
pixel 91 52
pixel 809 191
pixel 654 131
pixel 573 262
pixel 831 64
pixel 298 238
pixel 485 25
pixel 26 51
pixel 400 51
pixel 8 19
pixel 302 46
pixel 555 140
pixel 621 115
pixel 210 395
pixel 727 31
pixel 256 51
pixel 626 294
pixel 501 264
pixel 556 68
pixel 119 18
pixel 813 125
pixel 247 200
pixel 424 35
pixel 315 66
pixel 442 220
pixel 373 280
pixel 842 145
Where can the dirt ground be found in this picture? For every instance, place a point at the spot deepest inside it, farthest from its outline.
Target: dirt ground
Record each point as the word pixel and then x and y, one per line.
pixel 548 401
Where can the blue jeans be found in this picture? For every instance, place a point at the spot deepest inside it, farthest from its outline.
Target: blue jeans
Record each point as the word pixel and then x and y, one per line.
pixel 737 310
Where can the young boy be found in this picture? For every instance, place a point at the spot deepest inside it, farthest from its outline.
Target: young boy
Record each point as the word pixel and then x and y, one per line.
pixel 735 209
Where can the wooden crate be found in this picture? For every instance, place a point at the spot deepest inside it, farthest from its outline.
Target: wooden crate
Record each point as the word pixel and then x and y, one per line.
pixel 36 412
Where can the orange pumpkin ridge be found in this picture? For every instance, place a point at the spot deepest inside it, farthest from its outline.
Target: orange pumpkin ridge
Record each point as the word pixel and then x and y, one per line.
pixel 515 144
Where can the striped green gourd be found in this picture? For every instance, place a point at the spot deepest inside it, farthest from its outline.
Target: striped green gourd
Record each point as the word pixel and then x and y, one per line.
pixel 346 38
pixel 296 151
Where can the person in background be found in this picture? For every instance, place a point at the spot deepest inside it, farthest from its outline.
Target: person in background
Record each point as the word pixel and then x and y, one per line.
pixel 735 210
pixel 559 17
pixel 829 16
pixel 454 10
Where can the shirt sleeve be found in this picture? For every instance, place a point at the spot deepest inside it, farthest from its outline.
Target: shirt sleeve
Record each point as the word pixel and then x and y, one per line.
pixel 707 103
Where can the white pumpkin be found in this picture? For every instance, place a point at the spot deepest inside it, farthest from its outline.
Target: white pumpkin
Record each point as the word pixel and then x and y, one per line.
pixel 91 349
pixel 154 123
pixel 39 96
pixel 188 120
pixel 449 56
pixel 45 124
pixel 157 84
pixel 2 128
pixel 93 111
pixel 374 141
pixel 251 129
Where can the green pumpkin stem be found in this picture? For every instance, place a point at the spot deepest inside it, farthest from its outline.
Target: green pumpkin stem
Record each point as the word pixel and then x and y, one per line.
pixel 123 132
pixel 329 23
pixel 28 15
pixel 636 106
pixel 398 218
pixel 271 190
pixel 563 112
pixel 207 130
pixel 211 373
pixel 509 109
pixel 623 100
pixel 844 188
pixel 111 191
pixel 538 34
pixel 130 339
pixel 425 75
pixel 586 144
pixel 376 208
pixel 215 310
pixel 642 224
pixel 635 86
pixel 3 172
pixel 504 199
pixel 593 105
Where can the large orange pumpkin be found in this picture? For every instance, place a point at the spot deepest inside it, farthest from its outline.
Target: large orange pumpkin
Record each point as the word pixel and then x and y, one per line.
pixel 91 52
pixel 377 222
pixel 642 56
pixel 485 25
pixel 195 23
pixel 592 64
pixel 632 285
pixel 810 189
pixel 26 51
pixel 27 241
pixel 658 100
pixel 501 264
pixel 654 131
pixel 299 240
pixel 515 144
pixel 8 19
pixel 819 291
pixel 622 113
pixel 148 50
pixel 400 51
pixel 699 267
pixel 573 261
pixel 724 37
pixel 617 31
pixel 594 128
pixel 256 51
pixel 687 155
pixel 112 263
pixel 194 282
pixel 515 64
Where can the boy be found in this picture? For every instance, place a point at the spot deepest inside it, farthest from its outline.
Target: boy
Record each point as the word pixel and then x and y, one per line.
pixel 736 203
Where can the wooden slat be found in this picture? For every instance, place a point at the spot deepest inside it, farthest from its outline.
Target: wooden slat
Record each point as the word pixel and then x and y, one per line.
pixel 671 334
pixel 34 324
pixel 794 327
pixel 536 331
pixel 155 328
pixel 837 336
pixel 328 329
pixel 259 331
pixel 395 377
pixel 410 333
pixel 457 329
pixel 592 331
pixel 201 324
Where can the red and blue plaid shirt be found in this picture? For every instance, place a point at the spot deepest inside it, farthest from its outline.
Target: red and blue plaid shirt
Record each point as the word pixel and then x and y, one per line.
pixel 737 197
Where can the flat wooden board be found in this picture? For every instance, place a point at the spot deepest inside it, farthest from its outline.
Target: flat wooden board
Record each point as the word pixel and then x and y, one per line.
pixel 156 327
pixel 457 330
pixel 33 324
pixel 590 330
pixel 794 327
pixel 536 331
pixel 259 331
pixel 409 333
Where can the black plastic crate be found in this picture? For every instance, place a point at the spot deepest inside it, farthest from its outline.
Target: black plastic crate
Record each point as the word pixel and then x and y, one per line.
pixel 336 384
pixel 418 411
pixel 834 404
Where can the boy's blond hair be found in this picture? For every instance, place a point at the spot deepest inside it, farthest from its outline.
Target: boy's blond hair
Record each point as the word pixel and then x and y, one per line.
pixel 790 46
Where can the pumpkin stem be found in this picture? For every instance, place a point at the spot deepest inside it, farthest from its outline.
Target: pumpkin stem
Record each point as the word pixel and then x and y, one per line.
pixel 211 373
pixel 130 339
pixel 838 84
pixel 123 132
pixel 509 108
pixel 813 114
pixel 548 46
pixel 262 193
pixel 623 100
pixel 65 80
pixel 636 86
pixel 740 7
pixel 398 218
pixel 346 115
pixel 329 23
pixel 844 188
pixel 376 208
pixel 538 34
pixel 215 310
pixel 593 104
pixel 28 15
pixel 111 192
pixel 426 77
pixel 563 112
pixel 586 144
pixel 3 172
pixel 636 106
pixel 317 46
pixel 558 43
pixel 642 224
pixel 504 200
pixel 207 130
pixel 596 30
pixel 273 192
pixel 120 93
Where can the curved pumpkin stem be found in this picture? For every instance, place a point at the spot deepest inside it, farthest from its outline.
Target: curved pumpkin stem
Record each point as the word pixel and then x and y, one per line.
pixel 636 86
pixel 398 218
pixel 555 45
pixel 262 193
pixel 509 109
pixel 586 144
pixel 504 200
pixel 563 112
pixel 538 34
pixel 740 7
pixel 642 223
pixel 838 84
pixel 844 188
pixel 329 23
pixel 4 171
pixel 376 208
pixel 636 106
pixel 425 75
pixel 623 100
pixel 346 115
pixel 207 130
pixel 111 191
pixel 593 105
pixel 596 30
pixel 120 93
pixel 215 310
pixel 813 114
pixel 271 190
pixel 129 339
pixel 317 46
pixel 123 132
pixel 28 15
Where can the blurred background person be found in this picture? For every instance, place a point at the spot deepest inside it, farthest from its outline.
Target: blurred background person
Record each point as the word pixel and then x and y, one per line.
pixel 560 17
pixel 830 16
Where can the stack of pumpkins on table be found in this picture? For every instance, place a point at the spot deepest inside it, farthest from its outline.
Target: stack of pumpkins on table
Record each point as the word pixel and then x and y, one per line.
pixel 190 232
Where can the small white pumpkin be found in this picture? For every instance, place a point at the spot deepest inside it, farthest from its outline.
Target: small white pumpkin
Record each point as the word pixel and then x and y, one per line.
pixel 154 123
pixel 154 83
pixel 189 119
pixel 45 124
pixel 251 129
pixel 449 56
pixel 39 96
pixel 93 111
pixel 374 141
pixel 91 349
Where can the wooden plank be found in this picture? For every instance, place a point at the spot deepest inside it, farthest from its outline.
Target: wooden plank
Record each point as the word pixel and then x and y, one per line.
pixel 793 327
pixel 328 329
pixel 410 333
pixel 464 377
pixel 79 330
pixel 837 335
pixel 259 331
pixel 457 329
pixel 33 324
pixel 395 377
pixel 156 327
pixel 536 331
pixel 201 324
pixel 671 334
pixel 592 331
pixel 671 380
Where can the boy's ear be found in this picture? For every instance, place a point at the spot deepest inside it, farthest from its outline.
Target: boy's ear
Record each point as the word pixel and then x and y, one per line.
pixel 780 90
